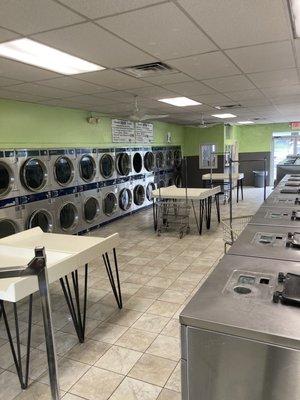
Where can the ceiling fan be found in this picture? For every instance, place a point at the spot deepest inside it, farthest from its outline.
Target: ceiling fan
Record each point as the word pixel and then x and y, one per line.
pixel 139 116
pixel 204 124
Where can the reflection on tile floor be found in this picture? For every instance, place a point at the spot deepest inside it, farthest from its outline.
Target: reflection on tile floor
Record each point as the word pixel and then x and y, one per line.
pixel 132 354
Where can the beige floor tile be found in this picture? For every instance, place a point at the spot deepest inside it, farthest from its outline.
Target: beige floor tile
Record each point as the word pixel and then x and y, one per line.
pixel 63 342
pixel 108 333
pixel 9 392
pixel 167 394
pixel 150 292
pixel 136 339
pixel 160 282
pixel 174 382
pixel 138 303
pixel 100 311
pixel 36 391
pixel 38 363
pixel 88 352
pixel 37 336
pixel 172 328
pixel 173 296
pixel 163 308
pixel 124 317
pixel 138 279
pixel 97 384
pixel 131 389
pixel 152 369
pixel 90 324
pixel 6 358
pixel 165 346
pixel 70 396
pixel 118 359
pixel 151 323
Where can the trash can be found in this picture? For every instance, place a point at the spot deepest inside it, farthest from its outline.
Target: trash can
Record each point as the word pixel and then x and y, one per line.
pixel 259 178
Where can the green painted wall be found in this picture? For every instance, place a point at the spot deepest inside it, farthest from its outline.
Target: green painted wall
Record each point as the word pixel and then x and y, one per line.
pixel 193 137
pixel 28 125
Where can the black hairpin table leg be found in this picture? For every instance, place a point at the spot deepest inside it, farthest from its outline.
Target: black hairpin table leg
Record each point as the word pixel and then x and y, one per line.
pixel 116 289
pixel 217 199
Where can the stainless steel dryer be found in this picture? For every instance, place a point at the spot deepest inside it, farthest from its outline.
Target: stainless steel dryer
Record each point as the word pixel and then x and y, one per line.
pixel 87 165
pixel 11 221
pixel 278 216
pixel 68 214
pixel 169 156
pixel 9 177
pixel 123 162
pixel 159 179
pixel 109 195
pixel 169 178
pixel 149 160
pixel 125 195
pixel 90 208
pixel 159 153
pixel 137 157
pixel 64 168
pixel 277 199
pixel 177 157
pixel 39 213
pixel 265 241
pixel 34 166
pixel 106 161
pixel 150 186
pixel 139 192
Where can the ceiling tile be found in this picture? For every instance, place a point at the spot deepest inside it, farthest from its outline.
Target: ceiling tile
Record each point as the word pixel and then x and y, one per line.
pixel 159 31
pixel 113 79
pixel 15 70
pixel 190 88
pixel 213 99
pixel 8 94
pixel 286 99
pixel 230 83
pixel 74 85
pixel 96 9
pixel 8 81
pixel 153 92
pixel 31 16
pixel 40 90
pixel 118 95
pixel 289 108
pixel 89 100
pixel 165 79
pixel 282 91
pixel 281 77
pixel 204 66
pixel 91 42
pixel 264 57
pixel 252 94
pixel 233 23
pixel 6 35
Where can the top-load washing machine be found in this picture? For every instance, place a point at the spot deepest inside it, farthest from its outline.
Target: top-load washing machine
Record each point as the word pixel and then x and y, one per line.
pixel 34 166
pixel 149 160
pixel 109 195
pixel 87 165
pixel 125 195
pixel 11 221
pixel 123 161
pixel 106 161
pixel 9 177
pixel 137 157
pixel 90 209
pixel 64 169
pixel 39 214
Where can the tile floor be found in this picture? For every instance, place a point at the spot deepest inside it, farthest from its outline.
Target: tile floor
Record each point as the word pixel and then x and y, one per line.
pixel 132 354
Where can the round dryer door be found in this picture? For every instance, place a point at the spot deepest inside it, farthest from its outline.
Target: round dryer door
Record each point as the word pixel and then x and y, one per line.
pixel 6 179
pixel 139 195
pixel 68 217
pixel 169 158
pixel 110 204
pixel 87 168
pixel 7 228
pixel 178 181
pixel 137 162
pixel 170 182
pixel 91 209
pixel 159 159
pixel 63 171
pixel 161 184
pixel 106 166
pixel 125 199
pixel 149 189
pixel 149 161
pixel 177 158
pixel 42 219
pixel 123 164
pixel 34 174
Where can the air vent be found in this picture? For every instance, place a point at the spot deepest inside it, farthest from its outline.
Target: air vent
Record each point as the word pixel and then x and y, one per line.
pixel 144 70
pixel 232 106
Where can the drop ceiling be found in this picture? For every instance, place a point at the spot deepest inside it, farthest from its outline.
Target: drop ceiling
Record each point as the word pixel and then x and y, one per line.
pixel 222 52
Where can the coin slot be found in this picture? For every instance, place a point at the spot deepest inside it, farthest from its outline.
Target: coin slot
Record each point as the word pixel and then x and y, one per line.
pixel 264 281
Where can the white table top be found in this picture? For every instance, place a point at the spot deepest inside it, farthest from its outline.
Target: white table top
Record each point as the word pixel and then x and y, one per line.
pixel 173 192
pixel 64 253
pixel 221 176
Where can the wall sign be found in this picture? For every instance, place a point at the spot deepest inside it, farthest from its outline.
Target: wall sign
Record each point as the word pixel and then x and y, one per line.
pixel 122 131
pixel 207 158
pixel 144 132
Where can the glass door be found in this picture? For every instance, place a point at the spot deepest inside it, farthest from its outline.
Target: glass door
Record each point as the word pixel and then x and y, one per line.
pixel 283 146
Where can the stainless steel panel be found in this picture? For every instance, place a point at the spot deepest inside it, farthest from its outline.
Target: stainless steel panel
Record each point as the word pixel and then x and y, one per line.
pixel 278 216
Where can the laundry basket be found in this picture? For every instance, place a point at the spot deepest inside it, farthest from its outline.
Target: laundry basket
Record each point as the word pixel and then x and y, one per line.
pixel 231 233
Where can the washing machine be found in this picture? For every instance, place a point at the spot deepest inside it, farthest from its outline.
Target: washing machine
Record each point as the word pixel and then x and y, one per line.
pixel 110 205
pixel 139 192
pixel 11 221
pixel 90 208
pixel 87 166
pixel 9 177
pixel 106 162
pixel 125 195
pixel 137 157
pixel 68 213
pixel 39 213
pixel 169 157
pixel 159 155
pixel 34 167
pixel 123 162
pixel 64 170
pixel 149 160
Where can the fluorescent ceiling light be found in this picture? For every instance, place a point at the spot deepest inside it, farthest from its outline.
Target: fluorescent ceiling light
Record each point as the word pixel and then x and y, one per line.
pixel 40 55
pixel 224 115
pixel 245 122
pixel 180 101
pixel 295 16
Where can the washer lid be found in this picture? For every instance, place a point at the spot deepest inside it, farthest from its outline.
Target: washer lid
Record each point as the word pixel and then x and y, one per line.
pixel 42 219
pixel 34 174
pixel 87 168
pixel 64 170
pixel 7 228
pixel 6 179
pixel 91 209
pixel 68 216
pixel 106 165
pixel 125 199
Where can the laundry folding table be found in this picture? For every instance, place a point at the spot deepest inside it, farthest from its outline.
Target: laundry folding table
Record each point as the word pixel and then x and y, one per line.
pixel 204 196
pixel 64 255
pixel 224 177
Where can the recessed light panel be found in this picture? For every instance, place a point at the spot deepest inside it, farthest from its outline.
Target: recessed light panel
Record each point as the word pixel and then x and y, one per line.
pixel 224 115
pixel 245 122
pixel 180 101
pixel 30 52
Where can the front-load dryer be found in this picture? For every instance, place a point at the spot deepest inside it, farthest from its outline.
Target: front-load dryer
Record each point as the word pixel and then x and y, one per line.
pixel 159 179
pixel 34 166
pixel 149 161
pixel 110 206
pixel 169 158
pixel 150 186
pixel 106 161
pixel 137 157
pixel 139 192
pixel 9 177
pixel 123 162
pixel 11 221
pixel 87 166
pixel 64 168
pixel 169 178
pixel 90 208
pixel 177 157
pixel 68 215
pixel 125 195
pixel 159 154
pixel 39 214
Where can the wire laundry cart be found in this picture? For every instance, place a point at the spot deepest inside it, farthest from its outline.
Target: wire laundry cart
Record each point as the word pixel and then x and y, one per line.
pixel 232 228
pixel 173 213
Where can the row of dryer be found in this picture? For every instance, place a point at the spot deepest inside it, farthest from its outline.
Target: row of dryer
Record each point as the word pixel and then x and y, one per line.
pixel 27 172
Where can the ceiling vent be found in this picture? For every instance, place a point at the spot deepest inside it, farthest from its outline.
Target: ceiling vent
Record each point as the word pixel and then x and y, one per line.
pixel 232 106
pixel 144 70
